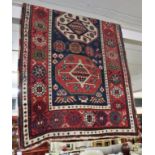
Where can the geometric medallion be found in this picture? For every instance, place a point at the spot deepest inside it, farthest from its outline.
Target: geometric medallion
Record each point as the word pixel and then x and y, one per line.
pixel 78 74
pixel 76 28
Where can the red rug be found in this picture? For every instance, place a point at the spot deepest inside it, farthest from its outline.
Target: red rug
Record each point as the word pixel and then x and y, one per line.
pixel 74 79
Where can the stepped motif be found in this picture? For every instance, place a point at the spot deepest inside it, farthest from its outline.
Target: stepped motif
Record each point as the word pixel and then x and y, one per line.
pixel 77 27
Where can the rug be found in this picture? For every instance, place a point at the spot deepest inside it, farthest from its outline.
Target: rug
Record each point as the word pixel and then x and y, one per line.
pixel 74 81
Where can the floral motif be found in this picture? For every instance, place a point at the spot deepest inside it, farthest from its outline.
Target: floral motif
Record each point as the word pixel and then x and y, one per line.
pixel 111 43
pixel 98 94
pixel 63 98
pixel 39 40
pixel 117 92
pixel 40 123
pixel 61 92
pixel 39 71
pixel 102 89
pixel 38 89
pixel 74 118
pixel 55 61
pixel 39 55
pixel 115 79
pixel 40 25
pixel 39 107
pixel 100 67
pixel 118 105
pixel 75 47
pixel 112 55
pixel 57 119
pixel 55 87
pixel 115 117
pixel 76 87
pixel 101 118
pixel 60 56
pixel 113 66
pixel 65 77
pixel 59 46
pixel 55 55
pixel 89 119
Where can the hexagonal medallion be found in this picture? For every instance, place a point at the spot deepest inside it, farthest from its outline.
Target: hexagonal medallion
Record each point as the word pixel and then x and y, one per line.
pixel 78 74
pixel 76 28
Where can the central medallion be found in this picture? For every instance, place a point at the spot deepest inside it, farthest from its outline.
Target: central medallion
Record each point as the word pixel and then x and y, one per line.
pixel 78 74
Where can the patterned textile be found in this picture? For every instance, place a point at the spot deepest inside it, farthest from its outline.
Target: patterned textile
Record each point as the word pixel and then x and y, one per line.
pixel 74 80
pixel 15 135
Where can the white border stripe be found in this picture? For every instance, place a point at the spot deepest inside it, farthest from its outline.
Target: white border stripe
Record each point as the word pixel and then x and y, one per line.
pixel 104 64
pixel 25 71
pixel 50 59
pixel 125 73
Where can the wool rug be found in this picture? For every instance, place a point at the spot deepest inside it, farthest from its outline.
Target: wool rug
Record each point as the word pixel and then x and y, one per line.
pixel 74 81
